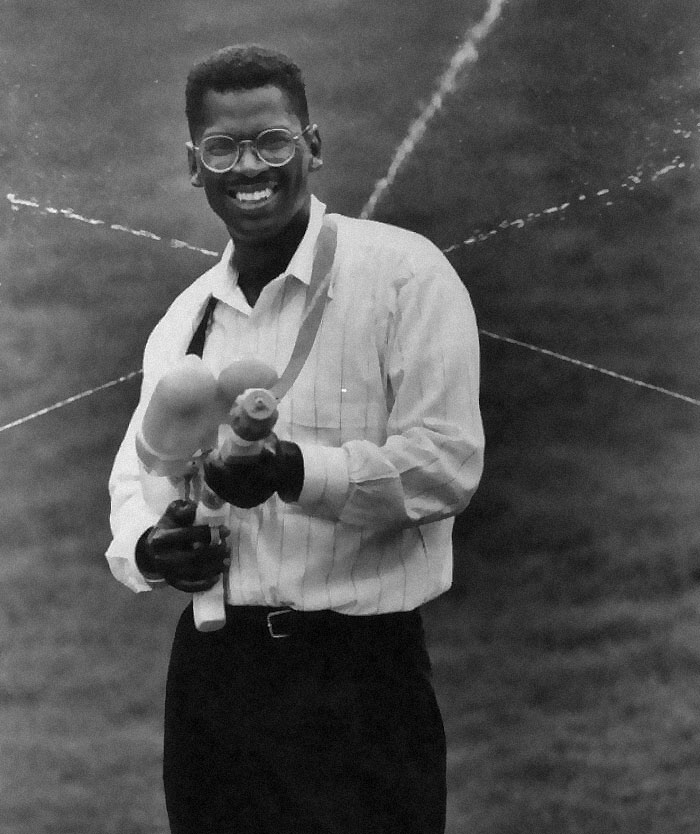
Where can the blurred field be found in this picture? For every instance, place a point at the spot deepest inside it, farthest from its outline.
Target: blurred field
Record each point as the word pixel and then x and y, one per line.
pixel 567 657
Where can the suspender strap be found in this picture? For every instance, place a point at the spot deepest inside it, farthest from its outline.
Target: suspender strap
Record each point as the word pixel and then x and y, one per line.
pixel 315 304
pixel 196 345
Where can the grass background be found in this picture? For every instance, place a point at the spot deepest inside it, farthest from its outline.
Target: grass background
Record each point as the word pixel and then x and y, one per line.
pixel 567 657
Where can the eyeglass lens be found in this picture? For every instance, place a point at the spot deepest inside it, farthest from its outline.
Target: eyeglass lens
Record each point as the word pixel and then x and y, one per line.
pixel 275 147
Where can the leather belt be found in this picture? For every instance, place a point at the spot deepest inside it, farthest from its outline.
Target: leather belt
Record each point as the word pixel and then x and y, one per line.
pixel 280 623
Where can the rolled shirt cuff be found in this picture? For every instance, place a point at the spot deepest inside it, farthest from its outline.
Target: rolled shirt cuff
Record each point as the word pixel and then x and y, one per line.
pixel 125 571
pixel 326 477
pixel 121 554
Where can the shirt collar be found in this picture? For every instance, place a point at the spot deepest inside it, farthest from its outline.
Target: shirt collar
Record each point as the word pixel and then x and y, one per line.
pixel 224 279
pixel 303 259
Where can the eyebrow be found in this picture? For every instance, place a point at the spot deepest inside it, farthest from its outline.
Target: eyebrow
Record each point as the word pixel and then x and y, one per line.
pixel 257 133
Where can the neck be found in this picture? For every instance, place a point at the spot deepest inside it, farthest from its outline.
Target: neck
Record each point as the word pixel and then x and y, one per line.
pixel 258 262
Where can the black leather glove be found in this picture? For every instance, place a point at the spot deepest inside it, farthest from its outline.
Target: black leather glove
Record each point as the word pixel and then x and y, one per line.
pixel 180 552
pixel 246 481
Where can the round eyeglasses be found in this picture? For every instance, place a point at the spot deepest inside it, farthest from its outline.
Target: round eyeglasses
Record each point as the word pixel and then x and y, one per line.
pixel 275 147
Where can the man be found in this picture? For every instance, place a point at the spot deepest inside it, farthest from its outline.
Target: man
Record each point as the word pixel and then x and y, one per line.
pixel 311 710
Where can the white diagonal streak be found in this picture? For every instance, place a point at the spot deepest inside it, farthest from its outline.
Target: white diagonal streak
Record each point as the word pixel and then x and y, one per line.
pixel 466 54
pixel 589 366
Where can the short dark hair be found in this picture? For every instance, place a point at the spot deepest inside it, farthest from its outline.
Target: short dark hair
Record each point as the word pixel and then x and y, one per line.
pixel 245 67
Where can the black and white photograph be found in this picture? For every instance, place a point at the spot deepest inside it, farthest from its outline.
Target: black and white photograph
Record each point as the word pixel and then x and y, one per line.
pixel 350 417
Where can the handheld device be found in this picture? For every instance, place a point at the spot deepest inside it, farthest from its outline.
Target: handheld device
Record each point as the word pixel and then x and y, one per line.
pixel 192 414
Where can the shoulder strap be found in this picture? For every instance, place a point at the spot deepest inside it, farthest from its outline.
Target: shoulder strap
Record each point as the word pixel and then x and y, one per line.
pixel 196 345
pixel 315 304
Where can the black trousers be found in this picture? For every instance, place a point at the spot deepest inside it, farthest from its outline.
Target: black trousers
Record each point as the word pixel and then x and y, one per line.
pixel 332 730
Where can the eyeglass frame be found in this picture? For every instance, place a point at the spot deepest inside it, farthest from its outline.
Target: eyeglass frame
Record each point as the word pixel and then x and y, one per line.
pixel 239 147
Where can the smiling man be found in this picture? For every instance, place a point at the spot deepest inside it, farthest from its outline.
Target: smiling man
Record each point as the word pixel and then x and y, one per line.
pixel 259 187
pixel 311 710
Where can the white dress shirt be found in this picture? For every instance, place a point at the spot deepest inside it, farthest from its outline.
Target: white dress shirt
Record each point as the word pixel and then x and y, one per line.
pixel 385 411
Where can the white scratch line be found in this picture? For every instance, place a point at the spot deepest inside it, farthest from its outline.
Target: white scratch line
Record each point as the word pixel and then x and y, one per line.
pixel 19 202
pixel 466 54
pixel 476 236
pixel 497 336
pixel 70 400
pixel 590 367
pixel 628 184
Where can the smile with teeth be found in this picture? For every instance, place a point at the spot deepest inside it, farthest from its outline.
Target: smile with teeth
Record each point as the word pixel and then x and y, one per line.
pixel 252 195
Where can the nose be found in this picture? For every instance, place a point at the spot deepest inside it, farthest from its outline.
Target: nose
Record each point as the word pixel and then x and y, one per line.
pixel 249 163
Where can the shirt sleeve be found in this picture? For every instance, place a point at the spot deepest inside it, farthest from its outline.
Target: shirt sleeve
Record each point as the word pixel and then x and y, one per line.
pixel 138 499
pixel 430 465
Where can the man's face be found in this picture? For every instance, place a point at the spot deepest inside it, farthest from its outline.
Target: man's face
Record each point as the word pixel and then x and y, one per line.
pixel 254 200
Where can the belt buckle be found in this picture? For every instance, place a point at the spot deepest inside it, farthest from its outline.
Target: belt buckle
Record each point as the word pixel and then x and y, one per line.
pixel 270 625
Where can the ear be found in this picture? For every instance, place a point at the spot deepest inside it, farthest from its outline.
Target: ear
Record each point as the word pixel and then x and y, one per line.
pixel 314 141
pixel 193 164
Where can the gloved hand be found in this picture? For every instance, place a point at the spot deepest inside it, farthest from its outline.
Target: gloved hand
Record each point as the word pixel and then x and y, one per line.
pixel 246 481
pixel 185 555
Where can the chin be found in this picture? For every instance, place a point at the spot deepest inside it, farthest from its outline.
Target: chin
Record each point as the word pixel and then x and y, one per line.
pixel 254 232
pixel 252 229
